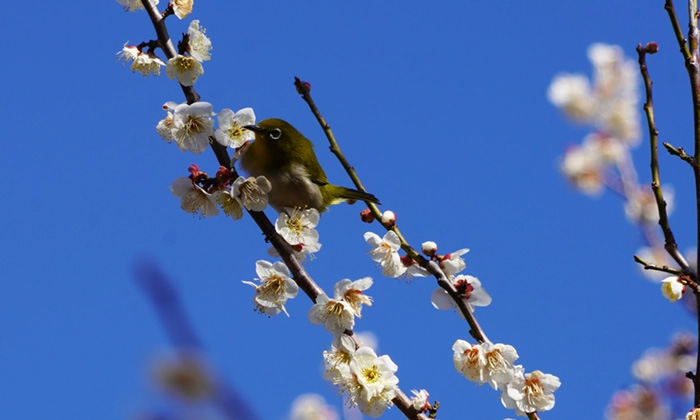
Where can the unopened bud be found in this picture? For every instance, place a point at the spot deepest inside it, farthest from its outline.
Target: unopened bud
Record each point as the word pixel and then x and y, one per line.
pixel 429 248
pixel 388 218
pixel 366 216
pixel 652 47
pixel 303 87
pixel 223 175
pixel 194 169
pixel 195 174
pixel 672 288
pixel 406 260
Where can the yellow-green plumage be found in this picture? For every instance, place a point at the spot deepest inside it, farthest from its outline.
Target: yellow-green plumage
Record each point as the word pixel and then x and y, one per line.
pixel 287 159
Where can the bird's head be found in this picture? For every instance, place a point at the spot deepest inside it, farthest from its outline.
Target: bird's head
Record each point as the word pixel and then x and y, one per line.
pixel 278 135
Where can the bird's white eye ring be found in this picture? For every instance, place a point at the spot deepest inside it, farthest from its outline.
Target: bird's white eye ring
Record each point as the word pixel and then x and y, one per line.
pixel 275 133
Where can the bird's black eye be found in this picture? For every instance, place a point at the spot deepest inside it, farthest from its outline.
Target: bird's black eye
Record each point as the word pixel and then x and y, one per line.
pixel 275 133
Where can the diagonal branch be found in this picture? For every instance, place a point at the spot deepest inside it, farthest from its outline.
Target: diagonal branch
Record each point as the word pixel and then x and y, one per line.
pixel 301 277
pixel 475 329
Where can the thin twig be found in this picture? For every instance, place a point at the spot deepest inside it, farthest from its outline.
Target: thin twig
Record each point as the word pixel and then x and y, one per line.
pixel 670 242
pixel 677 29
pixel 475 329
pixel 678 151
pixel 654 267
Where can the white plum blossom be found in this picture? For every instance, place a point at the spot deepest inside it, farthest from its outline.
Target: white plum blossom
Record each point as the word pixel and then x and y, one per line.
pixel 193 198
pixel 230 205
pixel 297 225
pixel 252 192
pixel 641 205
pixel 128 53
pixel 530 392
pixel 147 63
pixel 415 270
pixel 584 166
pixel 607 150
pixel 199 44
pixel 312 407
pixel 351 292
pixel 301 251
pixel 335 315
pixel 572 93
pixel 184 68
pixel 420 400
pixel 583 169
pixel 337 360
pixel 132 5
pixel 385 251
pixel 274 289
pixel 182 8
pixel 672 288
pixel 192 126
pixel 615 83
pixel 164 128
pixel 611 103
pixel 373 383
pixel 231 132
pixel 453 262
pixel 485 363
pixel 468 287
pixel 142 62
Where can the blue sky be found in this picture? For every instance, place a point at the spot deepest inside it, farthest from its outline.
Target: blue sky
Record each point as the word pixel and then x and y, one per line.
pixel 440 107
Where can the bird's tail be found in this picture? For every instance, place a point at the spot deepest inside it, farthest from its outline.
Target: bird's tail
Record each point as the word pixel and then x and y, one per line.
pixel 341 194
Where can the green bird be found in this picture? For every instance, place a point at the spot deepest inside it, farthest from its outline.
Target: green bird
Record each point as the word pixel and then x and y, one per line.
pixel 287 159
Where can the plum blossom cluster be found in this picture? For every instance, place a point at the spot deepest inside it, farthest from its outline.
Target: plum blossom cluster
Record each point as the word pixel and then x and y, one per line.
pixel 662 389
pixel 191 126
pixel 609 103
pixel 468 287
pixel 186 66
pixel 338 314
pixel 180 8
pixel 204 195
pixel 492 364
pixel 368 380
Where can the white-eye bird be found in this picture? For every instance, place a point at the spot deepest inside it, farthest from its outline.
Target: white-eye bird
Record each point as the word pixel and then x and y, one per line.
pixel 287 159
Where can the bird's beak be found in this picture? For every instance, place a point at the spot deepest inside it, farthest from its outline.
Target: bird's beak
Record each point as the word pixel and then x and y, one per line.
pixel 254 128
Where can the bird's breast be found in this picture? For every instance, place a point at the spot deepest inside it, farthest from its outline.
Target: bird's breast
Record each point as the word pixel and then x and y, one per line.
pixel 293 188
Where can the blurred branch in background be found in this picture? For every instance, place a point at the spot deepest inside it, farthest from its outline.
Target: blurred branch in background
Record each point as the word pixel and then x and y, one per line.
pixel 184 375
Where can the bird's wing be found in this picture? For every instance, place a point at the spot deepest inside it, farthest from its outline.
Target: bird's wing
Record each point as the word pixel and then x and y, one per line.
pixel 316 173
